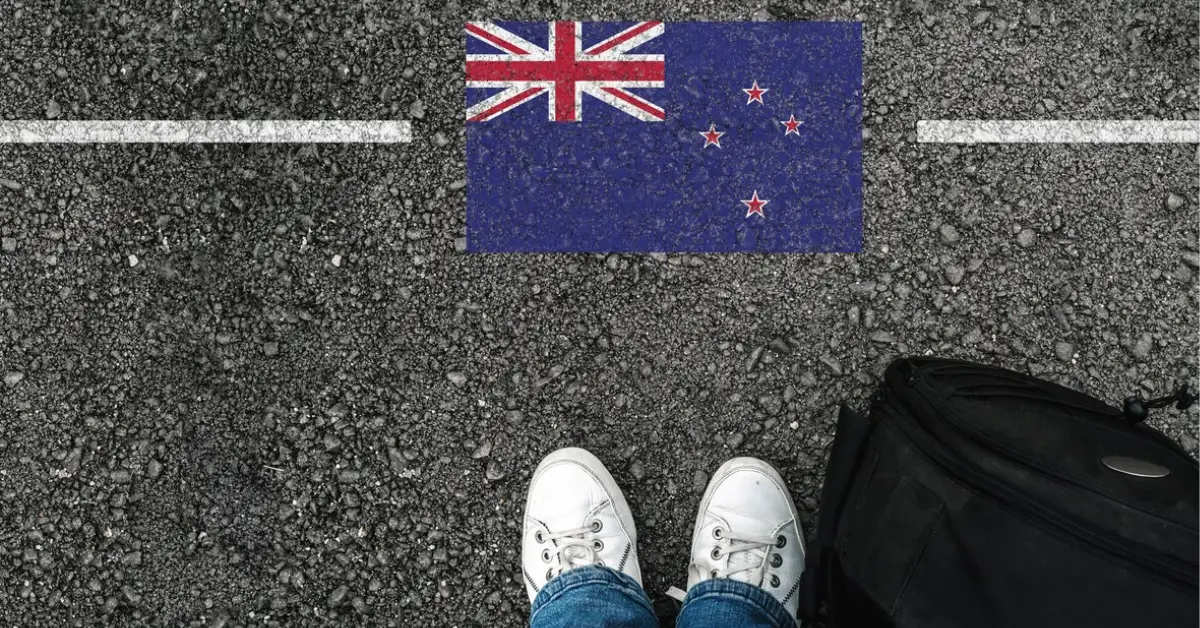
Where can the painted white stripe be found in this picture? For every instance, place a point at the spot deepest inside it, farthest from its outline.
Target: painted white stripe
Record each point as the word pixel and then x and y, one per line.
pixel 1058 131
pixel 205 132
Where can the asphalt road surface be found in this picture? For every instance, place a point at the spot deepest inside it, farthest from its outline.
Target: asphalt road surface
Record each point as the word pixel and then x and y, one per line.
pixel 261 385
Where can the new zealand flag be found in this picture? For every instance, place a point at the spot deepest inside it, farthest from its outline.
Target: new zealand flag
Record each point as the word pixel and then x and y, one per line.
pixel 651 137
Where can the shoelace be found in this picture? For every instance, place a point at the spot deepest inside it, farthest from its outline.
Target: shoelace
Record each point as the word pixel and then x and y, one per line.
pixel 578 539
pixel 753 545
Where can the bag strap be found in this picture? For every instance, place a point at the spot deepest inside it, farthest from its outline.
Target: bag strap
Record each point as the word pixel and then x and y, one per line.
pixel 849 441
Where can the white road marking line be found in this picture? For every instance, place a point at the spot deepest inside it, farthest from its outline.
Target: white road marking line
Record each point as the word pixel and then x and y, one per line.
pixel 1058 131
pixel 205 132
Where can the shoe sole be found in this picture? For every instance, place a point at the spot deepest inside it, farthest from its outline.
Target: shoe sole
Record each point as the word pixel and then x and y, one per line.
pixel 725 470
pixel 584 458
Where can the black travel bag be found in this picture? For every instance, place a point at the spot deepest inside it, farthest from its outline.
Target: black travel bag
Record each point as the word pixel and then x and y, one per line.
pixel 973 496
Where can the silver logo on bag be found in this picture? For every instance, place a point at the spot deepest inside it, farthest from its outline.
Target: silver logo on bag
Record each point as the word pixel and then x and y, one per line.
pixel 1135 467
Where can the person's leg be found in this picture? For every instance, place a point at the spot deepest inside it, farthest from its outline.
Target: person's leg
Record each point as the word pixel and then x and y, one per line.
pixel 747 551
pixel 579 548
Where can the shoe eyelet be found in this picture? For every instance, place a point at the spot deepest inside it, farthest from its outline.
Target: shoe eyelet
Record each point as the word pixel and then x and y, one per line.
pixel 716 553
pixel 597 545
pixel 774 580
pixel 539 537
pixel 713 573
pixel 600 563
pixel 545 555
pixel 717 533
pixel 781 541
pixel 776 560
pixel 549 575
pixel 597 525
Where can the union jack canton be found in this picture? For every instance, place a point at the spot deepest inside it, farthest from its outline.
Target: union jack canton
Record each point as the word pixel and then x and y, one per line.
pixel 565 69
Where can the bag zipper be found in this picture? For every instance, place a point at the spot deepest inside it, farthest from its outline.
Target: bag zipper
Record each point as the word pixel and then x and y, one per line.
pixel 970 431
pixel 1009 498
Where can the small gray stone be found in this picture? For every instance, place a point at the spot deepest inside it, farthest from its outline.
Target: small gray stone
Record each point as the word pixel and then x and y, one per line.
pixel 271 348
pixel 780 346
pixel 1191 258
pixel 10 245
pixel 458 378
pixel 637 470
pixel 884 337
pixel 834 365
pixel 1026 238
pixel 494 472
pixel 954 274
pixel 772 404
pixel 483 450
pixel 949 233
pixel 53 110
pixel 338 595
pixel 154 469
pixel 1174 202
pixel 1141 348
pixel 752 361
pixel 417 109
pixel 699 481
pixel 12 378
pixel 736 440
pixel 1189 443
pixel 120 476
pixel 1064 351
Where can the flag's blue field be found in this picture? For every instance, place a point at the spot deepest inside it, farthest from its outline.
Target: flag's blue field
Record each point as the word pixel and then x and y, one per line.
pixel 753 142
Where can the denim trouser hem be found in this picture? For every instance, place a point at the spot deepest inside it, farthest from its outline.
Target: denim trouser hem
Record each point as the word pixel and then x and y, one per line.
pixel 736 599
pixel 617 588
pixel 600 596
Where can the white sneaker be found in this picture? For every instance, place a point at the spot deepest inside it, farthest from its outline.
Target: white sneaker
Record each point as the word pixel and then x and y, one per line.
pixel 748 530
pixel 575 515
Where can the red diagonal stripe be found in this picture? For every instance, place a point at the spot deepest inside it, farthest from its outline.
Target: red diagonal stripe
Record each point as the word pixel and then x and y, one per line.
pixel 557 71
pixel 636 102
pixel 506 103
pixel 495 41
pixel 626 36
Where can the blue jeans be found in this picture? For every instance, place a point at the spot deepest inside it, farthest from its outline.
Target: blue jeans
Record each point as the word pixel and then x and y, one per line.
pixel 599 597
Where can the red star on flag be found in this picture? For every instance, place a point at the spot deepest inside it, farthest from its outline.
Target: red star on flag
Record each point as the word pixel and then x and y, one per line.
pixel 712 136
pixel 756 93
pixel 792 125
pixel 755 204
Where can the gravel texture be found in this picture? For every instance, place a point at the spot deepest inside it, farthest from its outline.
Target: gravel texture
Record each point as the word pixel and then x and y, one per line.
pixel 255 385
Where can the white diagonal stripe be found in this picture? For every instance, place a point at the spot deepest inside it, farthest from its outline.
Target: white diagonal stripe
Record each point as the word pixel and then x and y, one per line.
pixel 1058 131
pixel 620 49
pixel 508 36
pixel 510 91
pixel 205 132
pixel 598 92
